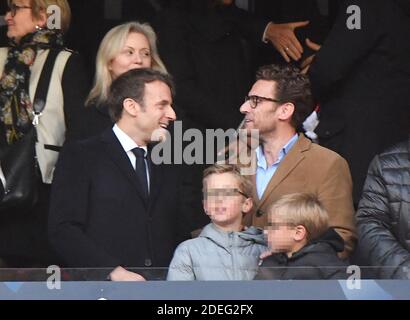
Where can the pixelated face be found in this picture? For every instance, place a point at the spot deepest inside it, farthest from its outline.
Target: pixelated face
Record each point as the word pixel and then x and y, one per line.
pixel 280 235
pixel 264 116
pixel 135 54
pixel 223 199
pixel 22 22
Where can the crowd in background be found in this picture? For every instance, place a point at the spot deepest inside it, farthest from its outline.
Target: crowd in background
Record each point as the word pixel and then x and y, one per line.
pixel 354 81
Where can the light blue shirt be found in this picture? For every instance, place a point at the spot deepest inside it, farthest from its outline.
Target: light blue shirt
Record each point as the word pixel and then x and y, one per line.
pixel 265 174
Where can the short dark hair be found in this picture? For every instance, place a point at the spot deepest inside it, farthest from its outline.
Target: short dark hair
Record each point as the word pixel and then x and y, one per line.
pixel 291 86
pixel 131 84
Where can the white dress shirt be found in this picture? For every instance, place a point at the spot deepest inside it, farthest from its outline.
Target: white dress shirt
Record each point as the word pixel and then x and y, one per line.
pixel 2 178
pixel 128 145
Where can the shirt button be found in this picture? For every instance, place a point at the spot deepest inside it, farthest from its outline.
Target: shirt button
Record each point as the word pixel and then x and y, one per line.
pixel 148 263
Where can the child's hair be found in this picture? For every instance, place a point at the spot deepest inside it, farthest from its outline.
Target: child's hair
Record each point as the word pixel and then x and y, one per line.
pixel 245 185
pixel 302 209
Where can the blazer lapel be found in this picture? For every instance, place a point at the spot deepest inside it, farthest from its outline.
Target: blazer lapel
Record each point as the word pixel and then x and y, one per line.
pixel 118 155
pixel 288 164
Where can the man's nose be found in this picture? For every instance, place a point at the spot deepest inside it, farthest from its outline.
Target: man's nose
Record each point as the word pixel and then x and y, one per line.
pixel 8 15
pixel 171 114
pixel 245 107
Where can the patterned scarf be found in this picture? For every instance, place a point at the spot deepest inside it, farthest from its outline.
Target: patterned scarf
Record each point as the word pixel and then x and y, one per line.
pixel 16 108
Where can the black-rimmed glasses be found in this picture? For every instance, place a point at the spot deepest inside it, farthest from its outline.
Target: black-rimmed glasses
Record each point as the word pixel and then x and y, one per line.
pixel 13 8
pixel 255 100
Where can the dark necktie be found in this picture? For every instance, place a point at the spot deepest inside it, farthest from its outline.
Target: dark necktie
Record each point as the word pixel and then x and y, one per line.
pixel 141 169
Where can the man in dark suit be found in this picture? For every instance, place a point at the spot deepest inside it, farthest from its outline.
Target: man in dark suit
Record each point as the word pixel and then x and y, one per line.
pixel 360 77
pixel 111 206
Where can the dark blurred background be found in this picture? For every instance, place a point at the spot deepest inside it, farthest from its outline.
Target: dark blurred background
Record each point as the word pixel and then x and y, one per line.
pixel 91 19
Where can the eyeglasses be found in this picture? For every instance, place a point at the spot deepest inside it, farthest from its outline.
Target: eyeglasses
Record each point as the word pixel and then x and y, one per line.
pixel 223 192
pixel 255 100
pixel 13 8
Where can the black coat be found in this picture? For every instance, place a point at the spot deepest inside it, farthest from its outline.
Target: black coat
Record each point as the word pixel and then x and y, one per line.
pixel 317 260
pixel 96 120
pixel 361 79
pixel 383 217
pixel 98 217
pixel 209 56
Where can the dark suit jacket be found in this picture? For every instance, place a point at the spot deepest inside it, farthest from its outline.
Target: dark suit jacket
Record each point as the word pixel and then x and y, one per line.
pixel 361 80
pixel 98 217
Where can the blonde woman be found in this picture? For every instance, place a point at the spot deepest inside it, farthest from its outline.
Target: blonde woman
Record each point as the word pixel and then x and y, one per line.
pixel 127 46
pixel 33 39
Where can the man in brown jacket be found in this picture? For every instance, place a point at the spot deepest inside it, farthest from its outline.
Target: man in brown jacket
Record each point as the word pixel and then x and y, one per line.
pixel 288 162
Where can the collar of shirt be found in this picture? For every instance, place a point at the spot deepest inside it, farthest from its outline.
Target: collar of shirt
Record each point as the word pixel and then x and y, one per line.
pixel 285 150
pixel 2 178
pixel 125 140
pixel 128 144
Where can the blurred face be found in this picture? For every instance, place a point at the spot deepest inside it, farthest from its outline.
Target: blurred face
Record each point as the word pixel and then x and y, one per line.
pixel 157 112
pixel 20 20
pixel 135 54
pixel 264 116
pixel 280 235
pixel 223 201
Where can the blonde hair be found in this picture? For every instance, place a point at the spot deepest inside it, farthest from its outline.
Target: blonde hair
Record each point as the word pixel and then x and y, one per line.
pixel 301 209
pixel 40 6
pixel 110 47
pixel 244 184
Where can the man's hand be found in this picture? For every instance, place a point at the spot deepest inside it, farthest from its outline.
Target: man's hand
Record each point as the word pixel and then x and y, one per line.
pixel 305 65
pixel 284 40
pixel 120 274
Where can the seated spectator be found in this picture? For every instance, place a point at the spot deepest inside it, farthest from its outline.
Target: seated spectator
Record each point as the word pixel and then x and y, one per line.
pixel 288 162
pixel 383 216
pixel 127 46
pixel 224 250
pixel 302 244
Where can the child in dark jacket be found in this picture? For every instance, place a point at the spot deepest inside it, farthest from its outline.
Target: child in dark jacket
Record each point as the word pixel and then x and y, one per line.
pixel 301 243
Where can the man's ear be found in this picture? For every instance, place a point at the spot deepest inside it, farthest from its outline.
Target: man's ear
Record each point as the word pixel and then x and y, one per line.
pixel 286 111
pixel 131 107
pixel 247 205
pixel 300 233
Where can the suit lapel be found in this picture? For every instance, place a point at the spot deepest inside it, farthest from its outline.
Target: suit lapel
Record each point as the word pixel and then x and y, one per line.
pixel 118 155
pixel 288 164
